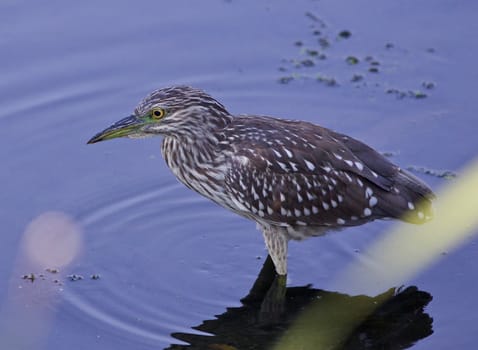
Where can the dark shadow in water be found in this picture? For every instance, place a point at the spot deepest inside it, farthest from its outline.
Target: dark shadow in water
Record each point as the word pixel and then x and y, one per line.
pixel 397 321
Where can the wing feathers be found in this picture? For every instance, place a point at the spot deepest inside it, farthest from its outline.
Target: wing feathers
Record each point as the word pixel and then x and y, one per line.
pixel 297 173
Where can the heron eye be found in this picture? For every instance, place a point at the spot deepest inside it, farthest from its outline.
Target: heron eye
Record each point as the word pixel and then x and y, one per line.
pixel 158 113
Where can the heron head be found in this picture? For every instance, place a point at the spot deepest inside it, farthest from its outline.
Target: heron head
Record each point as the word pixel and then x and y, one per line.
pixel 174 110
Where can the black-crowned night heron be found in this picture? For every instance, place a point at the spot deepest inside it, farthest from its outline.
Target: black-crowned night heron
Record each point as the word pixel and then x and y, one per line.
pixel 293 178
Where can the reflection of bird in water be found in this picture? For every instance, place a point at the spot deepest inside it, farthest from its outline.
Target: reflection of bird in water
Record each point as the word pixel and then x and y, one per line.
pixel 394 319
pixel 293 178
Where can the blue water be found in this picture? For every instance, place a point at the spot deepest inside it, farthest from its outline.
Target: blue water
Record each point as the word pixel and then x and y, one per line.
pixel 166 258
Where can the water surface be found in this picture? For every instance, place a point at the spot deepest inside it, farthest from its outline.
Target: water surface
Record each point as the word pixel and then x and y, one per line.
pixel 163 258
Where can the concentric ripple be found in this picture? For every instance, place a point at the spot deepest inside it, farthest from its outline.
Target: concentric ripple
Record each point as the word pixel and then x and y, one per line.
pixel 165 257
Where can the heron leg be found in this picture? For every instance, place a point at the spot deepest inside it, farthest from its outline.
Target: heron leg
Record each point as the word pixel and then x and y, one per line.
pixel 276 243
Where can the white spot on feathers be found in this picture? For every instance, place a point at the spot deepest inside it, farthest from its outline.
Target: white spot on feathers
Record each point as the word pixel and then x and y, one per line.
pixel 411 206
pixel 289 153
pixel 254 193
pixel 368 192
pixel 243 160
pixel 310 165
pixel 367 212
pixel 282 165
pixel 359 166
pixel 340 221
pixel 299 198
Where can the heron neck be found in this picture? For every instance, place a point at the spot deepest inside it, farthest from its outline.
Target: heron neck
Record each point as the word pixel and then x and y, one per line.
pixel 197 163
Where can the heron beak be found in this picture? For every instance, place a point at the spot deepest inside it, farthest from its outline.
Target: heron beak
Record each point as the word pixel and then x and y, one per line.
pixel 124 127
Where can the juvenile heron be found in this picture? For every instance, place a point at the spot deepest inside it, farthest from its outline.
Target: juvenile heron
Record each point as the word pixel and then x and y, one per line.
pixel 293 178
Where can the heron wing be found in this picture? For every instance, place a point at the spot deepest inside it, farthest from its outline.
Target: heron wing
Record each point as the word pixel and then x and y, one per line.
pixel 297 173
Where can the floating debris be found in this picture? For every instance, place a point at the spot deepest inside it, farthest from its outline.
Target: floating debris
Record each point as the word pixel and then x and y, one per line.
pixel 428 85
pixel 307 63
pixel 400 94
pixel 31 277
pixel 417 94
pixel 444 174
pixel 285 80
pixel 329 81
pixel 312 52
pixel 356 78
pixel 345 34
pixel 95 276
pixel 52 270
pixel 324 43
pixel 312 16
pixel 315 18
pixel 352 60
pixel 319 46
pixel 75 277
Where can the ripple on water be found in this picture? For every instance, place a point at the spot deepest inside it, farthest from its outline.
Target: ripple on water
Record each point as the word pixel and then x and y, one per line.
pixel 163 260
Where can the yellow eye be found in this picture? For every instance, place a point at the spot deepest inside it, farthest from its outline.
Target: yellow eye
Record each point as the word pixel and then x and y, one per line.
pixel 158 113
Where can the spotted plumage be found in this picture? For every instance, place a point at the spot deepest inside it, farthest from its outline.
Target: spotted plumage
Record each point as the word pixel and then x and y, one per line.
pixel 294 179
